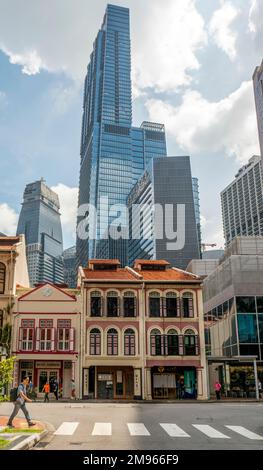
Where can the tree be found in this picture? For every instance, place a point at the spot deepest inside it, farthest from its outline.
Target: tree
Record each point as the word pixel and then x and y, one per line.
pixel 6 372
pixel 5 338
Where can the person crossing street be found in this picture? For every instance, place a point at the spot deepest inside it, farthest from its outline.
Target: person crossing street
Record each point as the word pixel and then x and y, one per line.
pixel 20 403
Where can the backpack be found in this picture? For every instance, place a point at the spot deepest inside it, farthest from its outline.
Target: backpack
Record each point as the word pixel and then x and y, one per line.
pixel 13 394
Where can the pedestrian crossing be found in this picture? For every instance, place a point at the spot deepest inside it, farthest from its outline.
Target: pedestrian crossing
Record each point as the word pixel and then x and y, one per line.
pixel 69 428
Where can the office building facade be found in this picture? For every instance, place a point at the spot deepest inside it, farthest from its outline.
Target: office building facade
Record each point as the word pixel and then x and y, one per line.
pixel 165 185
pixel 258 93
pixel 69 262
pixel 113 153
pixel 39 221
pixel 242 202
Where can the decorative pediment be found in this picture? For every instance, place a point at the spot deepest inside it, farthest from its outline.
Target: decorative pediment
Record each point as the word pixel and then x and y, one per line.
pixel 47 292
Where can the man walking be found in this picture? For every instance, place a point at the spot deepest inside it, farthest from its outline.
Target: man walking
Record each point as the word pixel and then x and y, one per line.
pixel 46 390
pixel 20 403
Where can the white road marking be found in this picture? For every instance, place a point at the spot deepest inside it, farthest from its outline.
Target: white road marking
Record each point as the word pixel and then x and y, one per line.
pixel 102 429
pixel 138 429
pixel 210 432
pixel 245 432
pixel 173 430
pixel 66 429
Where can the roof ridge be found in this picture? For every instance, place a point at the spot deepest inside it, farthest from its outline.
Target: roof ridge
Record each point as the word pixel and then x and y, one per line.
pixel 134 272
pixel 185 272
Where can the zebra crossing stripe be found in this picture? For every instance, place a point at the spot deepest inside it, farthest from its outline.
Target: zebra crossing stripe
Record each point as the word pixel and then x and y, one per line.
pixel 138 429
pixel 66 429
pixel 210 431
pixel 102 429
pixel 245 432
pixel 173 430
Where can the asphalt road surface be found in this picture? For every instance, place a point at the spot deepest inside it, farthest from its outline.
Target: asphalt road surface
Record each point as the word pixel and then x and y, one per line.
pixel 145 426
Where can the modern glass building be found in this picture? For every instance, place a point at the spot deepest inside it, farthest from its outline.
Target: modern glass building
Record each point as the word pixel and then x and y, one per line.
pixel 162 220
pixel 233 313
pixel 258 92
pixel 197 211
pixel 69 261
pixel 242 202
pixel 39 221
pixel 113 153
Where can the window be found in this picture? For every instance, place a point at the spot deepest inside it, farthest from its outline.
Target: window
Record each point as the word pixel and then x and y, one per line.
pixel 26 336
pixel 64 323
pixel 188 308
pixel 112 342
pixel 129 304
pixel 247 328
pixel 95 304
pixel 65 339
pixel 45 336
pixel 112 304
pixel 156 343
pixel 2 278
pixel 172 344
pixel 172 305
pixel 245 304
pixel 95 342
pixel 129 342
pixel 154 304
pixel 190 343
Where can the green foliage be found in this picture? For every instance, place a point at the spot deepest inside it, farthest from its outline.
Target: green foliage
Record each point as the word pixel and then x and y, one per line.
pixel 5 337
pixel 3 398
pixel 6 372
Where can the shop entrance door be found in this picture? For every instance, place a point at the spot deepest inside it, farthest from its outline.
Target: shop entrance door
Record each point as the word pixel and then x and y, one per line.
pixel 45 376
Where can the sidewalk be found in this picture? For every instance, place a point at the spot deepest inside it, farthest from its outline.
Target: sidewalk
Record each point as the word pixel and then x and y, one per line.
pixel 21 437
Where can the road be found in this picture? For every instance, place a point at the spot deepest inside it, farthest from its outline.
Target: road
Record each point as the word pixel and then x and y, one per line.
pixel 145 426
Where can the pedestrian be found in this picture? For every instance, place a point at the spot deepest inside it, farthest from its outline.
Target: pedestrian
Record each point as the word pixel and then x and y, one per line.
pixel 55 388
pixel 20 403
pixel 73 390
pixel 260 389
pixel 218 387
pixel 46 390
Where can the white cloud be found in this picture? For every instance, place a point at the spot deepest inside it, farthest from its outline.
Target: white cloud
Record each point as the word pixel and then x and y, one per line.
pixel 256 22
pixel 228 125
pixel 220 28
pixel 58 36
pixel 68 198
pixel 165 52
pixel 8 220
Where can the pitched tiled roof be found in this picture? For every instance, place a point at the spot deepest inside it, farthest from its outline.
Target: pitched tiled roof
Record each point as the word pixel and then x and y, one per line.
pixel 7 243
pixel 152 262
pixel 169 274
pixel 119 274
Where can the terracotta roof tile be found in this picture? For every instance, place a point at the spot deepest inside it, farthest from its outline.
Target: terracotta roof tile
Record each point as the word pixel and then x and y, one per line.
pixel 170 274
pixel 152 262
pixel 120 274
pixel 7 243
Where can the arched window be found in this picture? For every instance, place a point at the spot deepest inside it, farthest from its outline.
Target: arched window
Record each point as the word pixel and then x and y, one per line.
pixel 95 342
pixel 190 343
pixel 112 304
pixel 112 342
pixel 2 278
pixel 129 342
pixel 95 304
pixel 172 343
pixel 172 305
pixel 188 305
pixel 156 340
pixel 129 304
pixel 154 304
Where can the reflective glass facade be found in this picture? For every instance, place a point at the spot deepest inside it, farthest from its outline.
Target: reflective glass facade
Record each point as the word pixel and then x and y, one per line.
pixel 40 222
pixel 113 153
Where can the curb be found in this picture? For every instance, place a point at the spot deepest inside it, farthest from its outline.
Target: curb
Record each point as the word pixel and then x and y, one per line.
pixel 30 441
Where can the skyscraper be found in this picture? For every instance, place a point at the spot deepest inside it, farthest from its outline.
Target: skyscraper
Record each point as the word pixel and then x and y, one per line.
pixel 197 211
pixel 113 153
pixel 258 91
pixel 69 260
pixel 158 227
pixel 39 221
pixel 242 202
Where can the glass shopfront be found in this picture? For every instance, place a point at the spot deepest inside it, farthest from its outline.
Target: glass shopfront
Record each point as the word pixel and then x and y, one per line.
pixel 174 382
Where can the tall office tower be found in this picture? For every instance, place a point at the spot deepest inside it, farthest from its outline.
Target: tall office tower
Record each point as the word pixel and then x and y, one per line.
pixel 242 202
pixel 39 221
pixel 258 92
pixel 113 153
pixel 197 211
pixel 69 260
pixel 162 213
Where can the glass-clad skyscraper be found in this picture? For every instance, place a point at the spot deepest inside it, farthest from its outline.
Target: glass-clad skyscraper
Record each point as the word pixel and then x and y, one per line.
pixel 113 153
pixel 39 221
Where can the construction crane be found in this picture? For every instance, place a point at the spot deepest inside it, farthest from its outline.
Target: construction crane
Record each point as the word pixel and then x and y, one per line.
pixel 204 245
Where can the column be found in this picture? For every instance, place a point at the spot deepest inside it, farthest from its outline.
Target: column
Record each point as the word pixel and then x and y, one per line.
pixel 201 384
pixel 148 384
pixel 85 382
pixel 137 384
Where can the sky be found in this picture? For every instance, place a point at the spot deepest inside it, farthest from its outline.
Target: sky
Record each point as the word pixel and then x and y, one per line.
pixel 192 66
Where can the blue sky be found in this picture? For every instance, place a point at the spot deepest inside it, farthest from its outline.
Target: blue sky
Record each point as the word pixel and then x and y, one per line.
pixel 192 67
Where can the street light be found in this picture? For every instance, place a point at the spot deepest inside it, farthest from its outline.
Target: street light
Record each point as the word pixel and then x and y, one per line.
pixel 254 359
